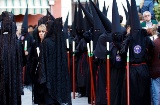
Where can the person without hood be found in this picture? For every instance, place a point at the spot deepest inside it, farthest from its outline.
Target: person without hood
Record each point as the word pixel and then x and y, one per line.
pixel 53 68
pixel 154 68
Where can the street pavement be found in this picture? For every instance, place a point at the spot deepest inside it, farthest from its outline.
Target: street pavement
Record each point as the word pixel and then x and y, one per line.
pixel 27 99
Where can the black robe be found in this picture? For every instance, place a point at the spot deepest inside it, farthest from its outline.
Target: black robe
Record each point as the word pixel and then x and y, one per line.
pixel 11 69
pixel 27 72
pixel 117 67
pixel 53 67
pixel 82 65
pixel 100 55
pixel 139 45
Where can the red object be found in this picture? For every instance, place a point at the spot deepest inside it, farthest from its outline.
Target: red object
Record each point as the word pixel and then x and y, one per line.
pixel 108 83
pixel 128 85
pixel 73 77
pixel 68 56
pixel 93 96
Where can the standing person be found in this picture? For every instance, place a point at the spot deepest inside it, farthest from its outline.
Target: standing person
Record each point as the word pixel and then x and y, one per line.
pixel 10 62
pixel 147 5
pixel 155 72
pixel 25 36
pixel 140 46
pixel 30 29
pixel 53 70
pixel 148 22
pixel 117 60
pixel 35 51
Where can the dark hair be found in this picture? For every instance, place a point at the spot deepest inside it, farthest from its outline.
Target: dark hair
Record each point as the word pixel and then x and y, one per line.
pixel 121 18
pixel 30 26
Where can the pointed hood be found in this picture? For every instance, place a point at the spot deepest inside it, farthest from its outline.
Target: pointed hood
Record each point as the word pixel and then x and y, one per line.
pixel 74 23
pixel 107 9
pixel 80 20
pixel 125 11
pixel 25 22
pixel 65 26
pixel 49 14
pixel 97 3
pixel 88 16
pixel 116 27
pixel 86 5
pixel 105 21
pixel 104 9
pixel 128 22
pixel 97 22
pixel 135 22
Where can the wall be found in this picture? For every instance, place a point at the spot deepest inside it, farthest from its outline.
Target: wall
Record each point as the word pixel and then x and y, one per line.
pixel 56 9
pixel 32 19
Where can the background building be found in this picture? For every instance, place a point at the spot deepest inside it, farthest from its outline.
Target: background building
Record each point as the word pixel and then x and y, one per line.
pixel 58 8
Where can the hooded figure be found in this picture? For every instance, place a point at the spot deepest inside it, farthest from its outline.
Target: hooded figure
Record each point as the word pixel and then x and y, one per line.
pixel 11 63
pixel 53 77
pixel 81 55
pixel 117 60
pixel 140 46
pixel 26 37
pixel 65 27
pixel 104 9
pixel 98 27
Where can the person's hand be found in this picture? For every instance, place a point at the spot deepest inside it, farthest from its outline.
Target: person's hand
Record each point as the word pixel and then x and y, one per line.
pixel 26 53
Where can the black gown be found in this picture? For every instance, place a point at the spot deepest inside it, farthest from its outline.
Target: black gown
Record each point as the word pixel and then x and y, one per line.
pixel 100 55
pixel 82 66
pixel 53 67
pixel 11 64
pixel 140 48
pixel 28 72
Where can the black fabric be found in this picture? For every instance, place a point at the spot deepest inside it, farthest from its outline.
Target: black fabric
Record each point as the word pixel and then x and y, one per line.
pixel 116 27
pixel 104 9
pixel 53 65
pixel 140 85
pixel 24 28
pixel 82 63
pixel 101 47
pixel 10 66
pixel 28 72
pixel 101 96
pixel 117 80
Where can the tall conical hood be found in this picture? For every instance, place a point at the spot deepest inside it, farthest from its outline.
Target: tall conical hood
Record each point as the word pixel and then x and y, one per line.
pixel 97 22
pixel 88 16
pixel 86 6
pixel 135 22
pixel 25 22
pixel 74 23
pixel 105 21
pixel 80 20
pixel 128 22
pixel 97 3
pixel 128 7
pixel 125 11
pixel 116 27
pixel 49 14
pixel 107 10
pixel 104 9
pixel 65 26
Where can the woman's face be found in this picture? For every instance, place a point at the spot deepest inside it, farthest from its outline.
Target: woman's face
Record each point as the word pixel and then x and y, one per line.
pixel 41 34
